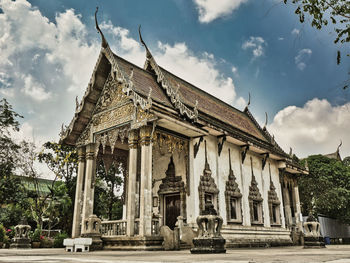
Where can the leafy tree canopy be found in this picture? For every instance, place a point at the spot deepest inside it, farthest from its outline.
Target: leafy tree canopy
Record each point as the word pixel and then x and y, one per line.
pixel 326 190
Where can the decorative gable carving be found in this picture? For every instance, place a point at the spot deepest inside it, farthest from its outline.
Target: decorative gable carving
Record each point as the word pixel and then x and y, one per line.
pixel 112 95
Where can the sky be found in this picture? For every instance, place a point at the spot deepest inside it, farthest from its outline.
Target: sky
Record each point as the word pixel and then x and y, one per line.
pixel 229 48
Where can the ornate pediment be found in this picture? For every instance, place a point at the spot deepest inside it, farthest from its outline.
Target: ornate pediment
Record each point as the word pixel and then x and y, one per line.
pixel 171 183
pixel 112 95
pixel 232 189
pixel 254 193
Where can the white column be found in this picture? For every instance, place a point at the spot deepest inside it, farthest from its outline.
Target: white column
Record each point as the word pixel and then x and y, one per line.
pixel 131 205
pixel 146 182
pixel 287 207
pixel 297 205
pixel 90 174
pixel 77 214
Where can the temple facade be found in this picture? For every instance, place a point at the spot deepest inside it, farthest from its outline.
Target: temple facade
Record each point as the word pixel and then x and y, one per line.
pixel 180 148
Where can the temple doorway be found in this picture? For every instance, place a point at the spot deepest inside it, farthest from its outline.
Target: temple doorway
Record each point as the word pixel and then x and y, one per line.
pixel 172 209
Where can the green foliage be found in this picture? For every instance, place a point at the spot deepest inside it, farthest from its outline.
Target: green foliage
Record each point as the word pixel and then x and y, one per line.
pixel 326 190
pixel 62 160
pixel 2 233
pixel 8 153
pixel 35 236
pixel 58 241
pixel 108 203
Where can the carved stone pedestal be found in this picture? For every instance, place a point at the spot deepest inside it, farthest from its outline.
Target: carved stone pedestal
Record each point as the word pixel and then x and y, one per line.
pixel 313 238
pixel 208 245
pixel 209 239
pixel 21 239
pixel 92 230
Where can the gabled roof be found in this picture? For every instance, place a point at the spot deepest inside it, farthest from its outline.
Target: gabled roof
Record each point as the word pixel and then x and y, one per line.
pixel 157 84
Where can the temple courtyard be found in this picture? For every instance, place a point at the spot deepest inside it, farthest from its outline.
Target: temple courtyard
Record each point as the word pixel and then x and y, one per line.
pixel 333 253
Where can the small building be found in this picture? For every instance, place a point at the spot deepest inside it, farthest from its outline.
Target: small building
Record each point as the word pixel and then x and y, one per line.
pixel 180 148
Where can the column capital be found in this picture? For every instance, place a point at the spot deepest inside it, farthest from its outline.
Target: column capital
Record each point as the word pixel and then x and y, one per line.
pixel 90 151
pixel 81 153
pixel 145 135
pixel 133 139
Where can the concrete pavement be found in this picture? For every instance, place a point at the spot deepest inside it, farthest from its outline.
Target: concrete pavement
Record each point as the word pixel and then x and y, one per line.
pixel 331 254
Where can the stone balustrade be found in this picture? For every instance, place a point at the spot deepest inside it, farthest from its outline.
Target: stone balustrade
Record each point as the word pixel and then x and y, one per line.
pixel 113 228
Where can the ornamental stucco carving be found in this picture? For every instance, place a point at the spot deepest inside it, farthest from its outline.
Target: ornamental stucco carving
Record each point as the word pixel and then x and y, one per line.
pixel 112 95
pixel 207 186
pixel 114 117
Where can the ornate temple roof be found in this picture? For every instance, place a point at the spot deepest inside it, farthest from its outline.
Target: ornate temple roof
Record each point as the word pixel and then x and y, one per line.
pixel 193 105
pixel 336 154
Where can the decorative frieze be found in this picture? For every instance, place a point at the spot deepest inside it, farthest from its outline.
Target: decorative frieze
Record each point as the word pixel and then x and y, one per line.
pixel 169 142
pixel 114 117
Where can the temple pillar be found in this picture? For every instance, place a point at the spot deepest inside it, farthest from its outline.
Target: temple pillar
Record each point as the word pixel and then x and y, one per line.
pixel 286 204
pixel 77 214
pixel 297 206
pixel 90 174
pixel 145 228
pixel 131 205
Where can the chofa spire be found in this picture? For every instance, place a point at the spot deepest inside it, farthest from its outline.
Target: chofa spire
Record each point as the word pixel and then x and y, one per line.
pixel 172 92
pixel 104 43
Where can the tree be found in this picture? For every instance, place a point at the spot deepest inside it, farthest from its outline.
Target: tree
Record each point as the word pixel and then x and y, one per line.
pixel 326 190
pixel 38 199
pixel 62 160
pixel 108 203
pixel 9 184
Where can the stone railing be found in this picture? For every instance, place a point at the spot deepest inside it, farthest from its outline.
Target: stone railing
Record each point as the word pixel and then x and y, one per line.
pixel 113 228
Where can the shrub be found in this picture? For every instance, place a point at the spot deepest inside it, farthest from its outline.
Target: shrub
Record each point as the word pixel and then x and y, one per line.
pixel 2 233
pixel 36 236
pixel 58 242
pixel 11 232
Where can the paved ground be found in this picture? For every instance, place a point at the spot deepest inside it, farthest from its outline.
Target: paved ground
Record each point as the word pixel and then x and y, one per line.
pixel 331 254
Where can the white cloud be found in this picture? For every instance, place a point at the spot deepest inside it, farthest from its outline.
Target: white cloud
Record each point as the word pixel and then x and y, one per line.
pixel 34 89
pixel 179 60
pixel 315 128
pixel 234 70
pixel 50 62
pixel 256 45
pixel 210 10
pixel 42 60
pixel 281 38
pixel 295 32
pixel 302 57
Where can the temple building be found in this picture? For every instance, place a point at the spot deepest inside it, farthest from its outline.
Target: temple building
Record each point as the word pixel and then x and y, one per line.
pixel 180 148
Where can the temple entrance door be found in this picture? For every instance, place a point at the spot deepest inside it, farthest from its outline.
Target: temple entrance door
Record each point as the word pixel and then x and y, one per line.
pixel 172 209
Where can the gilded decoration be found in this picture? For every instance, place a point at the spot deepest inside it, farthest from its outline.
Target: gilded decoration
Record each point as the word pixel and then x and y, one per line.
pixel 84 137
pixel 110 138
pixel 113 117
pixel 112 95
pixel 169 143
